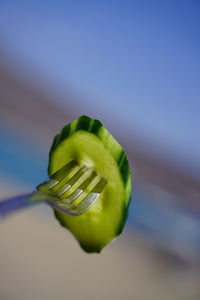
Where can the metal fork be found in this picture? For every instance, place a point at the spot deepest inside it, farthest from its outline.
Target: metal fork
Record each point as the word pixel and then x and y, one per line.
pixel 73 189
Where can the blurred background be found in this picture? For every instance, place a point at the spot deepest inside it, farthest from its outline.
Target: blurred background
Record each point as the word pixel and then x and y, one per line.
pixel 135 65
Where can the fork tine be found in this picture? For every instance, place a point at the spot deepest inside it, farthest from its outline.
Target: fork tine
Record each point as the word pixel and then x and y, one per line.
pixel 60 191
pixel 100 186
pixel 71 198
pixel 58 175
pixel 89 200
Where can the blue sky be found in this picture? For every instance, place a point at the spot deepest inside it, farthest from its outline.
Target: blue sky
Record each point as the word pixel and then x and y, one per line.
pixel 136 63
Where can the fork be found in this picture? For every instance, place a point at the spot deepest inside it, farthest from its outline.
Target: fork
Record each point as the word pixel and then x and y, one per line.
pixel 73 189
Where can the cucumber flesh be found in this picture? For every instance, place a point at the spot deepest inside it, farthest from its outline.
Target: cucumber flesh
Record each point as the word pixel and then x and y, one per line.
pixel 88 142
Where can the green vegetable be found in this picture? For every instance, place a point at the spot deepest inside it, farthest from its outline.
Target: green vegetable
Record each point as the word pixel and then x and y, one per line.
pixel 87 141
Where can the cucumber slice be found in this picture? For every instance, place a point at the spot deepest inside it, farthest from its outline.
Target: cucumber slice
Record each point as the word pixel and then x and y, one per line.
pixel 87 141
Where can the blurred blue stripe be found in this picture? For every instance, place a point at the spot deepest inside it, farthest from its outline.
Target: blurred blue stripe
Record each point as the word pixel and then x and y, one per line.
pixel 20 159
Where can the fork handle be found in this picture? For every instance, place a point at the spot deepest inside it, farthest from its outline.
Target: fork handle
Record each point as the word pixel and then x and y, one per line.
pixel 10 205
